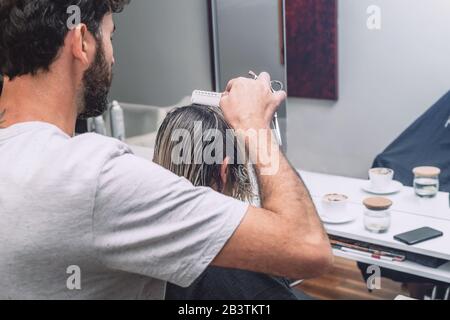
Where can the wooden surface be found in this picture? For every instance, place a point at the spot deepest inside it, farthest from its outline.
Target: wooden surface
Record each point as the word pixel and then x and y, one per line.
pixel 345 283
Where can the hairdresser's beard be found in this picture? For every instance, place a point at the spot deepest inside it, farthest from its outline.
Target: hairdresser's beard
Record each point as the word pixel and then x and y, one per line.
pixel 96 84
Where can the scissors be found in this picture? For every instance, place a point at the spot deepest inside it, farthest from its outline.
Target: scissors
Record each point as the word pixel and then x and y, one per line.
pixel 275 86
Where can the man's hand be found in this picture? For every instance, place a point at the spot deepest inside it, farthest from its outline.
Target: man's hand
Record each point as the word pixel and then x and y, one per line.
pixel 251 104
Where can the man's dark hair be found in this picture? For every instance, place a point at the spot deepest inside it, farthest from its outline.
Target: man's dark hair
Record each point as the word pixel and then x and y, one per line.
pixel 33 31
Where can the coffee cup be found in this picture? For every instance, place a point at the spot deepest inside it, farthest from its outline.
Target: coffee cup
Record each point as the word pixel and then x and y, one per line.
pixel 334 203
pixel 381 178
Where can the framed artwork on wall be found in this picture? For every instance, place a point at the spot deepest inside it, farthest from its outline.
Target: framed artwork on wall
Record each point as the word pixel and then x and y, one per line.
pixel 312 48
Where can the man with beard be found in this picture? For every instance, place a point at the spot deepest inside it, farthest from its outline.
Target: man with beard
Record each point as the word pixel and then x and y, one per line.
pixel 83 218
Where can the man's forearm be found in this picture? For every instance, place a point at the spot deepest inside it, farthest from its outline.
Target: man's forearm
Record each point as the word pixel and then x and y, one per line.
pixel 283 191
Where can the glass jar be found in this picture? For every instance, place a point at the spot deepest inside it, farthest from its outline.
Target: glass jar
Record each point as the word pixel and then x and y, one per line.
pixel 426 181
pixel 377 215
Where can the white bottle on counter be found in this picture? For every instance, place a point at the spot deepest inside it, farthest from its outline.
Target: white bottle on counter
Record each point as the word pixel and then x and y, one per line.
pixel 117 121
pixel 99 124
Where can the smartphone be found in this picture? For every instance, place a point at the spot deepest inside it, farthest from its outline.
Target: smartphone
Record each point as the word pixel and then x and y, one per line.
pixel 418 236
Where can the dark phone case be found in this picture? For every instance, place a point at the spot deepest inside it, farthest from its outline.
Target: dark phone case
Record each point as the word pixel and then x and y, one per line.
pixel 418 236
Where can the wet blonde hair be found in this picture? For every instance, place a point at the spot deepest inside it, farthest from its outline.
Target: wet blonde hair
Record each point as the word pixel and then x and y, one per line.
pixel 238 183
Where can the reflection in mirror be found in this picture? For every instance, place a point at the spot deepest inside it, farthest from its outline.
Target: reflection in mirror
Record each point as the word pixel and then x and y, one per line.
pixel 249 35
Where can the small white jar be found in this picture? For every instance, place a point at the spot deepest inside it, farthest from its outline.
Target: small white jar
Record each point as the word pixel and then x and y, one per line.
pixel 377 214
pixel 426 181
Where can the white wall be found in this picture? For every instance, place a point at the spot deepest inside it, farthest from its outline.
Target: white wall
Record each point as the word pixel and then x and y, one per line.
pixel 387 79
pixel 162 51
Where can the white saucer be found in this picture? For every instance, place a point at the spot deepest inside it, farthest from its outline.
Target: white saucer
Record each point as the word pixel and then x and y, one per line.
pixel 394 187
pixel 332 218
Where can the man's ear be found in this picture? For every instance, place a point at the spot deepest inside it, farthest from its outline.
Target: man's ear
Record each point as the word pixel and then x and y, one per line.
pixel 224 172
pixel 81 44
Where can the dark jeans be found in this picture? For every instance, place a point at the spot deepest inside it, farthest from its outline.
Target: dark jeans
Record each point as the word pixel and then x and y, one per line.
pixel 229 284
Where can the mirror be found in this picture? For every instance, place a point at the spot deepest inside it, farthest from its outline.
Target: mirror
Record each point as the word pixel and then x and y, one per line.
pixel 249 35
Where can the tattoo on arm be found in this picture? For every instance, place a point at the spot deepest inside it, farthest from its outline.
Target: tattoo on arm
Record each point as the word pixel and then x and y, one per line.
pixel 2 113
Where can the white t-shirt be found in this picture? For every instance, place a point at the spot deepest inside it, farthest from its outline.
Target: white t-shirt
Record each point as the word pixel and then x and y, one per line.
pixel 86 212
